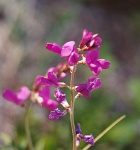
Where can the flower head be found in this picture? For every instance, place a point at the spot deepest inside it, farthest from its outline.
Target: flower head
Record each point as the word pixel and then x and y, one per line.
pixel 56 114
pixel 92 84
pixel 67 51
pixel 90 41
pixel 96 65
pixel 19 97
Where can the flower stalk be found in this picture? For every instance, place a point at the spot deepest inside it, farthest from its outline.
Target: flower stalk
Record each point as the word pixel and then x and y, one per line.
pixel 72 107
pixel 27 128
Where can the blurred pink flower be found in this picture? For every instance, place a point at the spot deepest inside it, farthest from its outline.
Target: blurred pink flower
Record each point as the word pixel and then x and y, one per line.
pixel 43 97
pixel 19 97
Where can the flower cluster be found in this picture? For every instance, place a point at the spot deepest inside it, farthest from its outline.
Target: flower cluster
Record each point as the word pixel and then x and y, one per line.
pixel 86 54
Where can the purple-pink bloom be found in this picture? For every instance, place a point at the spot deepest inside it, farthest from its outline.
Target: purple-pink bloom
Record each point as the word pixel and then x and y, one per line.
pixel 51 80
pixel 90 41
pixel 59 95
pixel 54 48
pixel 19 97
pixel 42 90
pixel 67 51
pixel 73 58
pixel 96 65
pixel 86 138
pixel 82 89
pixel 92 84
pixel 56 114
pixel 43 98
pixel 61 98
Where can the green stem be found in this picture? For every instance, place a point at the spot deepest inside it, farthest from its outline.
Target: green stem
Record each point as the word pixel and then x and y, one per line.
pixel 72 108
pixel 27 128
pixel 105 131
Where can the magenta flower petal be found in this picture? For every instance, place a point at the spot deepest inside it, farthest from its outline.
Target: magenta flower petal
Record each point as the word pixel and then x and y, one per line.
pixel 52 78
pixel 96 65
pixel 92 56
pixel 90 41
pixel 87 36
pixel 37 81
pixel 61 98
pixel 54 48
pixel 67 49
pixel 58 70
pixel 104 64
pixel 85 32
pixel 50 81
pixel 73 58
pixel 50 104
pixel 96 69
pixel 93 83
pixel 98 42
pixel 19 97
pixel 10 95
pixel 59 95
pixel 45 93
pixel 23 93
pixel 85 40
pixel 41 80
pixel 82 88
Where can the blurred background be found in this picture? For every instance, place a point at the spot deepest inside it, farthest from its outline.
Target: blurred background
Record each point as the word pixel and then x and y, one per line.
pixel 25 28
